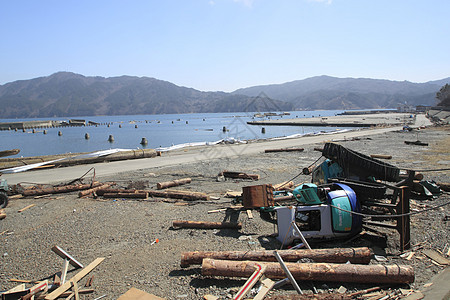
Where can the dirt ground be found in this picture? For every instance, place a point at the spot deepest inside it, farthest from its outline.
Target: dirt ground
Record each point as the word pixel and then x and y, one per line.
pixel 123 231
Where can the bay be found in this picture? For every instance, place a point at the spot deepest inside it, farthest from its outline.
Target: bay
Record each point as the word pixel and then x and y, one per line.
pixel 159 130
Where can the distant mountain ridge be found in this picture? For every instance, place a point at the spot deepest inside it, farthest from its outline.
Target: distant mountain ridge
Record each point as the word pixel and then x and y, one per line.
pixel 65 94
pixel 325 92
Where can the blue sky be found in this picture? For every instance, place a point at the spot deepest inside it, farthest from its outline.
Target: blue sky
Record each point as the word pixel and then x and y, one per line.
pixel 223 45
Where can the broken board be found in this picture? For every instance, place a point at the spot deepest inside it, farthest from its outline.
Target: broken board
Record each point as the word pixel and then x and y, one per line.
pixel 135 294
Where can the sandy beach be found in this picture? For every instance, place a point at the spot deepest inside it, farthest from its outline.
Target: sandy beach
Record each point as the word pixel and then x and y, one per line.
pixel 122 230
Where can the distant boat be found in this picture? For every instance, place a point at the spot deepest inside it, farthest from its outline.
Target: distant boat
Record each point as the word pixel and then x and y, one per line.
pixel 9 152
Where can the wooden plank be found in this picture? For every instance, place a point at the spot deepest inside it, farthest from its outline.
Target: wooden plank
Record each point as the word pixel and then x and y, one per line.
pixel 77 277
pixel 434 255
pixel 249 214
pixel 18 288
pixel 135 294
pixel 266 285
pixel 26 207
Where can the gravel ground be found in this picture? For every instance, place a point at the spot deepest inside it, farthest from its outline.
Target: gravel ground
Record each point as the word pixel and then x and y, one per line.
pixel 122 231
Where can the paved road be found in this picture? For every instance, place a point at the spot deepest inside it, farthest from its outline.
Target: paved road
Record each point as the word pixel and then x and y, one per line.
pixel 181 157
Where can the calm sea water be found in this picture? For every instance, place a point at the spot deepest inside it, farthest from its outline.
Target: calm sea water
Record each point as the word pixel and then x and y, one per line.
pixel 159 130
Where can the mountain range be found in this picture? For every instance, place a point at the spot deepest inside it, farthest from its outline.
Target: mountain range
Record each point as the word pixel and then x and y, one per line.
pixel 66 94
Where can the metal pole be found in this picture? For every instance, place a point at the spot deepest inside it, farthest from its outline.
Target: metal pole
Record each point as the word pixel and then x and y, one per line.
pixel 288 273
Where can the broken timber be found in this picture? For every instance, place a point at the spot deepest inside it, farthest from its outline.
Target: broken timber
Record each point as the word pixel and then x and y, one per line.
pixel 168 184
pixel 313 271
pixel 60 189
pixel 206 225
pixel 336 255
pixel 72 282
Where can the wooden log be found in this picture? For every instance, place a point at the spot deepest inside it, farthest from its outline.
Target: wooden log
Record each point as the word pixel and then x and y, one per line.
pixel 168 184
pixel 382 156
pixel 101 192
pixel 283 186
pixel 328 272
pixel 185 195
pixel 336 255
pixel 137 195
pixel 284 150
pixel 239 175
pixel 60 189
pixel 206 225
pixel 93 190
pixel 174 194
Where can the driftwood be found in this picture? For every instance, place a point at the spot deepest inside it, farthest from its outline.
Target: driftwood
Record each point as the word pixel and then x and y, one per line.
pixel 206 225
pixel 137 195
pixel 284 150
pixel 239 175
pixel 168 184
pixel 329 272
pixel 93 190
pixel 60 189
pixel 335 255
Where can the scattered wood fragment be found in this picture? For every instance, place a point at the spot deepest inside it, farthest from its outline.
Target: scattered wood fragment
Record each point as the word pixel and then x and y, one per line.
pixel 313 271
pixel 26 207
pixel 362 292
pixel 283 186
pixel 59 189
pixel 266 285
pixel 18 196
pixel 231 194
pixel 93 190
pixel 217 210
pixel 249 214
pixel 337 255
pixel 284 150
pixel 168 184
pixel 382 156
pixel 206 225
pixel 2 214
pixel 435 256
pixel 239 175
pixel 77 277
pixel 135 294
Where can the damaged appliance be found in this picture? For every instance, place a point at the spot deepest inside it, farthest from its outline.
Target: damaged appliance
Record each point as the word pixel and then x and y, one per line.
pixel 328 215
